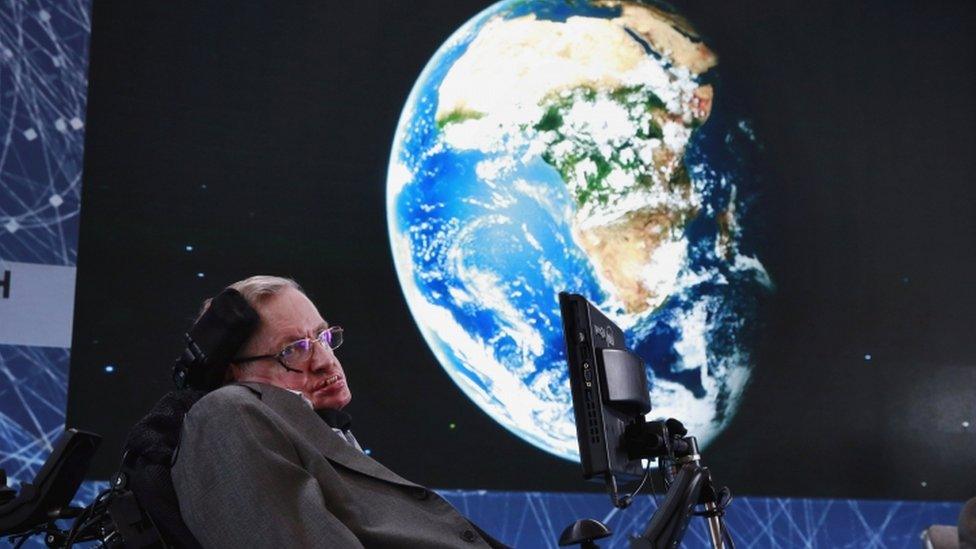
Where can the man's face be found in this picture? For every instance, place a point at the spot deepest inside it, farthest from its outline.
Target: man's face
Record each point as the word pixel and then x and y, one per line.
pixel 286 317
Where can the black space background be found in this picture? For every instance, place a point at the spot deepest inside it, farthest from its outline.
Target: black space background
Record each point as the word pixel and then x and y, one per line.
pixel 259 133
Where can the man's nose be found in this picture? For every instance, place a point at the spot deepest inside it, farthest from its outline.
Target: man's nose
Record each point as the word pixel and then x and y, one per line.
pixel 323 360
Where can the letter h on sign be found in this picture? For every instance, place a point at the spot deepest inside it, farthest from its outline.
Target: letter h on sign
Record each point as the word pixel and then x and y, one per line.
pixel 5 284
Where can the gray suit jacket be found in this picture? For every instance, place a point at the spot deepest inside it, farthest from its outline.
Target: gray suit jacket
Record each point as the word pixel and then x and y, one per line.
pixel 257 467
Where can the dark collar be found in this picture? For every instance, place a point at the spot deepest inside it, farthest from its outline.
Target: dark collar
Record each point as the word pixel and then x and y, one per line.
pixel 337 419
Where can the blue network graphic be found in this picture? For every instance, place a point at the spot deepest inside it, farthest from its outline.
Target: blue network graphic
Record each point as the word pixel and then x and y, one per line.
pixel 536 519
pixel 43 86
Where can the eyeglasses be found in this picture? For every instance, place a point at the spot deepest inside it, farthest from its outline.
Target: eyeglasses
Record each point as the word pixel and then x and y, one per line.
pixel 296 353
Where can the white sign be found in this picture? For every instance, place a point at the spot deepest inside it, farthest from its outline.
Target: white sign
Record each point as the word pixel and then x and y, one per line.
pixel 36 304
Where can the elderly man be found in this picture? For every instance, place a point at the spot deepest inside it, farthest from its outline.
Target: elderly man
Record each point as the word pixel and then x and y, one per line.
pixel 258 467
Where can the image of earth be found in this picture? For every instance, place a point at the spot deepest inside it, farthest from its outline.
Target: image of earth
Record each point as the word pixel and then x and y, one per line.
pixel 586 147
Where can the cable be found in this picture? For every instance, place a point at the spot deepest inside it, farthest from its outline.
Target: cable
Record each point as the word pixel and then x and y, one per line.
pixel 657 504
pixel 628 499
pixel 93 512
pixel 727 535
pixel 725 499
pixel 25 536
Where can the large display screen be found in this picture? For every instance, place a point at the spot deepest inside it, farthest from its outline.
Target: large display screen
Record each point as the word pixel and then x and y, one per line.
pixel 772 203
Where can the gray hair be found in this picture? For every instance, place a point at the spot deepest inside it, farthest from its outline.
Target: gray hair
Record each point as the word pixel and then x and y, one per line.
pixel 258 288
pixel 255 289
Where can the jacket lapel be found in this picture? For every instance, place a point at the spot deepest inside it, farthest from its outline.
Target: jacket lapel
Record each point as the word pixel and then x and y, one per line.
pixel 293 409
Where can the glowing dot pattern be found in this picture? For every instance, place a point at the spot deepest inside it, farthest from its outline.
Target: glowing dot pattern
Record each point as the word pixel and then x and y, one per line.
pixel 43 85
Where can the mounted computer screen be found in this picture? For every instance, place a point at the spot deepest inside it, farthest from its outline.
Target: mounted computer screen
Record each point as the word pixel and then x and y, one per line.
pixel 609 387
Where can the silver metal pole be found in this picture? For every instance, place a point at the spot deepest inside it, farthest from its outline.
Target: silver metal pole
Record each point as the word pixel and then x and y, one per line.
pixel 715 527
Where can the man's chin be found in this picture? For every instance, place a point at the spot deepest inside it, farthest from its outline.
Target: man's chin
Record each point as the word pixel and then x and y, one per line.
pixel 335 400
